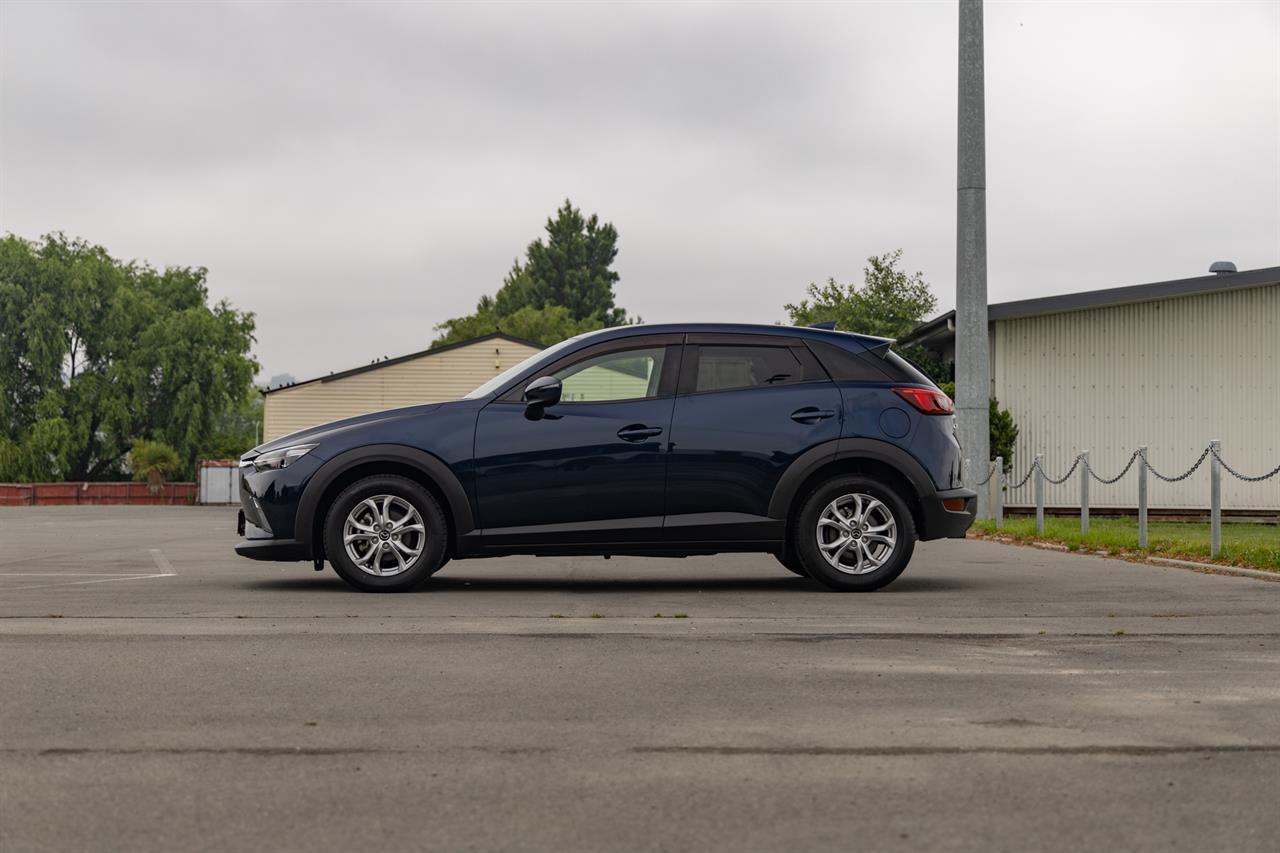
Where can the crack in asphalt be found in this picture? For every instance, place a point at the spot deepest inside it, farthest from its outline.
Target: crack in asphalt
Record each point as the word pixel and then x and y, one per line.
pixel 1128 750
pixel 895 751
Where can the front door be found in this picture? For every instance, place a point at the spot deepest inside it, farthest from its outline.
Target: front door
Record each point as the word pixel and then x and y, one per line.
pixel 592 469
pixel 748 405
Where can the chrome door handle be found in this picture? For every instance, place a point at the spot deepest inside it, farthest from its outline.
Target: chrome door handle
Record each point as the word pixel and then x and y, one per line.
pixel 638 432
pixel 811 415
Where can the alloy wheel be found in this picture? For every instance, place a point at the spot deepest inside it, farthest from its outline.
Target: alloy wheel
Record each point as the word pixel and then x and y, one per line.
pixel 857 534
pixel 384 535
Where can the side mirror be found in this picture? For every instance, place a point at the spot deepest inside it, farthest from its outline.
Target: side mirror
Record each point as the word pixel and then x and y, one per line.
pixel 540 393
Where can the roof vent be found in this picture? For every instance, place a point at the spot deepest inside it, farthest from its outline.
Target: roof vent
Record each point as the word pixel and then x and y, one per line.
pixel 1222 267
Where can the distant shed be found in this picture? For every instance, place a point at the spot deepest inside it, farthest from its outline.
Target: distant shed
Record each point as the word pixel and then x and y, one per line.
pixel 430 376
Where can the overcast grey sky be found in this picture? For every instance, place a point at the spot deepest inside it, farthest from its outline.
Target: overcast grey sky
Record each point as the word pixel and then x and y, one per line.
pixel 355 174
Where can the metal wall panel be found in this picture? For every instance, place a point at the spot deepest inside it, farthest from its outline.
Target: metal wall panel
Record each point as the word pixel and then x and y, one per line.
pixel 1172 374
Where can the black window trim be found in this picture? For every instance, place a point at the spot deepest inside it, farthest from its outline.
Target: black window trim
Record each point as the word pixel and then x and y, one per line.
pixel 666 382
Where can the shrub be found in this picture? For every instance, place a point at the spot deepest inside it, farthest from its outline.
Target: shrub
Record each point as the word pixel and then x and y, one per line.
pixel 153 461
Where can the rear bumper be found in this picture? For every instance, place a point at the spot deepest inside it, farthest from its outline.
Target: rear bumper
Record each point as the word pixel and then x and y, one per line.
pixel 938 522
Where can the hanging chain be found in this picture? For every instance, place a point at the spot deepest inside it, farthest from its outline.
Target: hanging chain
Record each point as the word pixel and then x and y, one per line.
pixel 1134 458
pixel 1108 481
pixel 1182 476
pixel 1238 475
pixel 1065 476
pixel 991 472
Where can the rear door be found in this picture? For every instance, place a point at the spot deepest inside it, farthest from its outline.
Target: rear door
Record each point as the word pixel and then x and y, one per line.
pixel 746 407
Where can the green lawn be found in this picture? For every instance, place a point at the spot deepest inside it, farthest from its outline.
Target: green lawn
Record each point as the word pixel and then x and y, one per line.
pixel 1253 545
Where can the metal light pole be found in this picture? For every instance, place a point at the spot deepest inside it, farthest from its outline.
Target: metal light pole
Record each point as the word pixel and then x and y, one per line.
pixel 973 379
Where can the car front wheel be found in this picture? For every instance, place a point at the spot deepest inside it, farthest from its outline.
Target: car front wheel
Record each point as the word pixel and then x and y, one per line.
pixel 385 534
pixel 854 534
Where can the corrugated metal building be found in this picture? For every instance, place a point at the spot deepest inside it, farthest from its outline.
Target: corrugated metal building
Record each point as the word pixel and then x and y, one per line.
pixel 431 376
pixel 1170 365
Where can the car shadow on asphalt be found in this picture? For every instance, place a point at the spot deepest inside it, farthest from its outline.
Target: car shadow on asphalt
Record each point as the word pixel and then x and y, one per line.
pixel 623 585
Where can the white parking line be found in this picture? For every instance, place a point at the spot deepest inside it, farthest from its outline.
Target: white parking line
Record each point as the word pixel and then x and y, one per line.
pixel 162 562
pixel 100 580
pixel 157 556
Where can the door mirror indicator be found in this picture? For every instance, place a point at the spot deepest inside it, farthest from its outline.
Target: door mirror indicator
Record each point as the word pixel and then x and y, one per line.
pixel 539 394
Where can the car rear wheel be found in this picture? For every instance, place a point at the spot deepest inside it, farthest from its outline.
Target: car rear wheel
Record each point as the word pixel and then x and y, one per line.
pixel 385 534
pixel 854 534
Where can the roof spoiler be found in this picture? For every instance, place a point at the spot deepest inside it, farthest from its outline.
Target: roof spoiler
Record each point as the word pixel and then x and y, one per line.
pixel 877 346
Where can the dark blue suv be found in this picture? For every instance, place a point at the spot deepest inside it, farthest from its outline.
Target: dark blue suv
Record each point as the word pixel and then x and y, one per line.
pixel 823 448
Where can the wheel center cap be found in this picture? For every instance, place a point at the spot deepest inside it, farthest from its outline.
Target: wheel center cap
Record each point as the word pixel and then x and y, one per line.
pixel 384 535
pixel 857 534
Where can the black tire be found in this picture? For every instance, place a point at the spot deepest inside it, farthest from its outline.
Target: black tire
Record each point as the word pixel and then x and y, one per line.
pixel 805 535
pixel 791 563
pixel 432 545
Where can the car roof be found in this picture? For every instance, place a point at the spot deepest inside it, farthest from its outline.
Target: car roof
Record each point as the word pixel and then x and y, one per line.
pixel 843 339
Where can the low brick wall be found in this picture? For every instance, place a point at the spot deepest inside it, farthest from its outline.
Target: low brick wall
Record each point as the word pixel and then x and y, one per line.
pixel 47 494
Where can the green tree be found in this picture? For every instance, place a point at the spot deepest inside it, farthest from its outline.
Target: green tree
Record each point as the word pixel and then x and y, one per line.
pixel 96 353
pixel 889 304
pixel 564 286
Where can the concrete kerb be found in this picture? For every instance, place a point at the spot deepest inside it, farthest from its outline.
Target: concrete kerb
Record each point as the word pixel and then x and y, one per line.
pixel 1168 562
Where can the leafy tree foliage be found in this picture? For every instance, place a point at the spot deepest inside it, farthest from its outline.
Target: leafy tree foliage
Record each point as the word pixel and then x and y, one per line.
pixel 563 288
pixel 96 353
pixel 889 304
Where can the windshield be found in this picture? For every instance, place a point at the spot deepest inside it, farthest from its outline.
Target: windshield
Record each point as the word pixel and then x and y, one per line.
pixel 512 372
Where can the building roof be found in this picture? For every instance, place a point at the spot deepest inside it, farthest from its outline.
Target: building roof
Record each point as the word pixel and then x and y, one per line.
pixel 943 326
pixel 501 336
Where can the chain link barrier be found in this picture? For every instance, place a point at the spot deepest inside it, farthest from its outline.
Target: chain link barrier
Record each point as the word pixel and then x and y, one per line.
pixel 1108 481
pixel 1075 462
pixel 1181 476
pixel 1128 465
pixel 1030 471
pixel 1234 473
pixel 991 472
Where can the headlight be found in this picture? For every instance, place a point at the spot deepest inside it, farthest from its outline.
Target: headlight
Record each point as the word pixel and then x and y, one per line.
pixel 282 458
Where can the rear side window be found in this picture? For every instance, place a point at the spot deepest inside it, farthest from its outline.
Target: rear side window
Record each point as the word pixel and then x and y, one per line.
pixel 721 368
pixel 847 366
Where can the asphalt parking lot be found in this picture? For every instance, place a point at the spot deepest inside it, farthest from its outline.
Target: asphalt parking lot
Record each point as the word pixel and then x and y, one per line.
pixel 160 693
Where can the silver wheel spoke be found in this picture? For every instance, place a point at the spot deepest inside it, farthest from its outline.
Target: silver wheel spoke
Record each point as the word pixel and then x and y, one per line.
pixel 831 546
pixel 406 550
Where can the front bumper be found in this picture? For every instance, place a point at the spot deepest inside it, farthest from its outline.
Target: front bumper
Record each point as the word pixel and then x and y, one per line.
pixel 269 505
pixel 259 544
pixel 939 522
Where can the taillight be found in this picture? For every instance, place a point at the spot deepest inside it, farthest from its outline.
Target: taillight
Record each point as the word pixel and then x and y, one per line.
pixel 927 400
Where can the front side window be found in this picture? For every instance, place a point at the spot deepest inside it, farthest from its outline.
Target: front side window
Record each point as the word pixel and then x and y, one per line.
pixel 624 375
pixel 721 368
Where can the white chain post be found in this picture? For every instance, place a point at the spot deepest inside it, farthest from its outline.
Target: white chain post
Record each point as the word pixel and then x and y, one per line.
pixel 1215 500
pixel 1142 496
pixel 1039 495
pixel 998 502
pixel 1084 493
